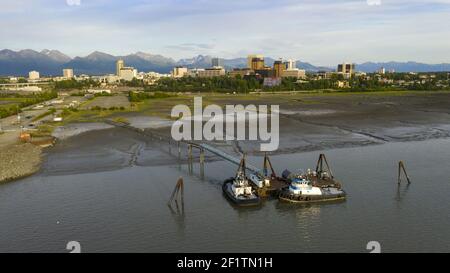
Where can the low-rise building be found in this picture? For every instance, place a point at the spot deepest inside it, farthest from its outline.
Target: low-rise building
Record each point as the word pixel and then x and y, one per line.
pixel 99 91
pixel 294 73
pixel 179 72
pixel 33 75
pixel 211 72
pixel 272 82
pixel 128 73
pixel 242 72
pixel 343 84
pixel 68 73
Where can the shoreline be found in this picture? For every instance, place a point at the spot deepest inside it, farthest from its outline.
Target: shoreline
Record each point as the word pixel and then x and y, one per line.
pixel 19 161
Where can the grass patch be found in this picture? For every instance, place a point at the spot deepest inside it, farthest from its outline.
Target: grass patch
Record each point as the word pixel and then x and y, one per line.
pixel 43 131
pixel 43 115
pixel 121 120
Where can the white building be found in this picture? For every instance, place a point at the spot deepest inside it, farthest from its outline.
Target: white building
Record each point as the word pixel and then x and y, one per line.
pixel 33 75
pixel 290 64
pixel 381 71
pixel 294 73
pixel 29 89
pixel 68 73
pixel 128 73
pixel 99 91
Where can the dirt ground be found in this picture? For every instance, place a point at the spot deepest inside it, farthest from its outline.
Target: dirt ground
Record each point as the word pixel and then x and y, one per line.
pixel 108 102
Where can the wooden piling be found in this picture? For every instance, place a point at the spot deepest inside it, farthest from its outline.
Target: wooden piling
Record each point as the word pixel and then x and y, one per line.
pixel 401 167
pixel 202 164
pixel 177 191
pixel 190 152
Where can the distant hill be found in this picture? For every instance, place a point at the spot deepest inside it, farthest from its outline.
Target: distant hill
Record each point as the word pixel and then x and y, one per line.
pixel 403 67
pixel 51 63
pixel 24 61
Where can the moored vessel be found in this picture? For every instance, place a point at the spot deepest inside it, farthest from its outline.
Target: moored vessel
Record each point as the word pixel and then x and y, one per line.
pixel 302 190
pixel 239 190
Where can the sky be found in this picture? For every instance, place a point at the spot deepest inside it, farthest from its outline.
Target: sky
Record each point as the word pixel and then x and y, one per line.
pixel 322 32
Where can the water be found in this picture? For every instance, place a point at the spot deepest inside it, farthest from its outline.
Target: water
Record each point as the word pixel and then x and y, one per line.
pixel 125 210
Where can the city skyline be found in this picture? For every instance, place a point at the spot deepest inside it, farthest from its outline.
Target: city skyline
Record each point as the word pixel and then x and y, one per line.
pixel 321 32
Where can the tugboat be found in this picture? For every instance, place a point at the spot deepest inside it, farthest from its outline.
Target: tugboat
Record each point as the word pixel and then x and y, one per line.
pixel 238 189
pixel 301 190
pixel 322 177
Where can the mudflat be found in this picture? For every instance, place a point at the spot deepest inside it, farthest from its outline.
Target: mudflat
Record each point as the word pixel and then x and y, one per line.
pixel 308 122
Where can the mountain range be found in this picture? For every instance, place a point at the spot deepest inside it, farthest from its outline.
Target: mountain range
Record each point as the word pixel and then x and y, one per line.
pixel 51 62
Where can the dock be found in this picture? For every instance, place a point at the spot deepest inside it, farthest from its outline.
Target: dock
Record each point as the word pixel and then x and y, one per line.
pixel 276 183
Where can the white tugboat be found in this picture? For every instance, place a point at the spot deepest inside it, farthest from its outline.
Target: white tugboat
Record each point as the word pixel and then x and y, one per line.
pixel 239 190
pixel 301 190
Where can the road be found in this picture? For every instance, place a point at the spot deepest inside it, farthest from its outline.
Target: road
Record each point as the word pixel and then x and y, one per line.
pixel 10 127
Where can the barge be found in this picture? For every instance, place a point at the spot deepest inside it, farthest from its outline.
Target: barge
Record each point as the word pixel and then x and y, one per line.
pixel 267 185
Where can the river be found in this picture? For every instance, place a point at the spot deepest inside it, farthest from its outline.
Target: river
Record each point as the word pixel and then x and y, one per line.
pixel 125 209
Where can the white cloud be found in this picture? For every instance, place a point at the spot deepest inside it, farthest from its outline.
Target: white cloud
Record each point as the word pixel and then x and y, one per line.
pixel 73 2
pixel 374 2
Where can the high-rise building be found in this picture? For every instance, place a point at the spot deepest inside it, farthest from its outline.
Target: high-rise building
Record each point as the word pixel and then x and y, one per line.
pixel 217 62
pixel 279 67
pixel 33 75
pixel 250 60
pixel 257 63
pixel 346 68
pixel 68 73
pixel 119 65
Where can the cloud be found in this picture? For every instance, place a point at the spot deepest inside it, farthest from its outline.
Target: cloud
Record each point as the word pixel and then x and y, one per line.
pixel 192 46
pixel 319 31
pixel 374 2
pixel 73 2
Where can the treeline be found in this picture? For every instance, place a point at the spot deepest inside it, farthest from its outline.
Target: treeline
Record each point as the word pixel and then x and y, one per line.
pixel 74 84
pixel 27 100
pixel 216 84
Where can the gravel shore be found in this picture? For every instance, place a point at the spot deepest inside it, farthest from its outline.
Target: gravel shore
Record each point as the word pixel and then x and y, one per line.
pixel 19 160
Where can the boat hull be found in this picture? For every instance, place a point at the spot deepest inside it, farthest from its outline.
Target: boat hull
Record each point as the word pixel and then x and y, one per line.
pixel 239 201
pixel 287 196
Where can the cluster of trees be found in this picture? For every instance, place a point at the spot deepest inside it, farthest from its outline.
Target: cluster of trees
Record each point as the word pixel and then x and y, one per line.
pixel 25 100
pixel 216 84
pixel 243 85
pixel 74 84
pixel 113 108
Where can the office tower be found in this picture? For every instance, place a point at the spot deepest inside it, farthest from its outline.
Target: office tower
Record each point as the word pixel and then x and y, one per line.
pixel 217 62
pixel 279 67
pixel 346 68
pixel 250 60
pixel 119 66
